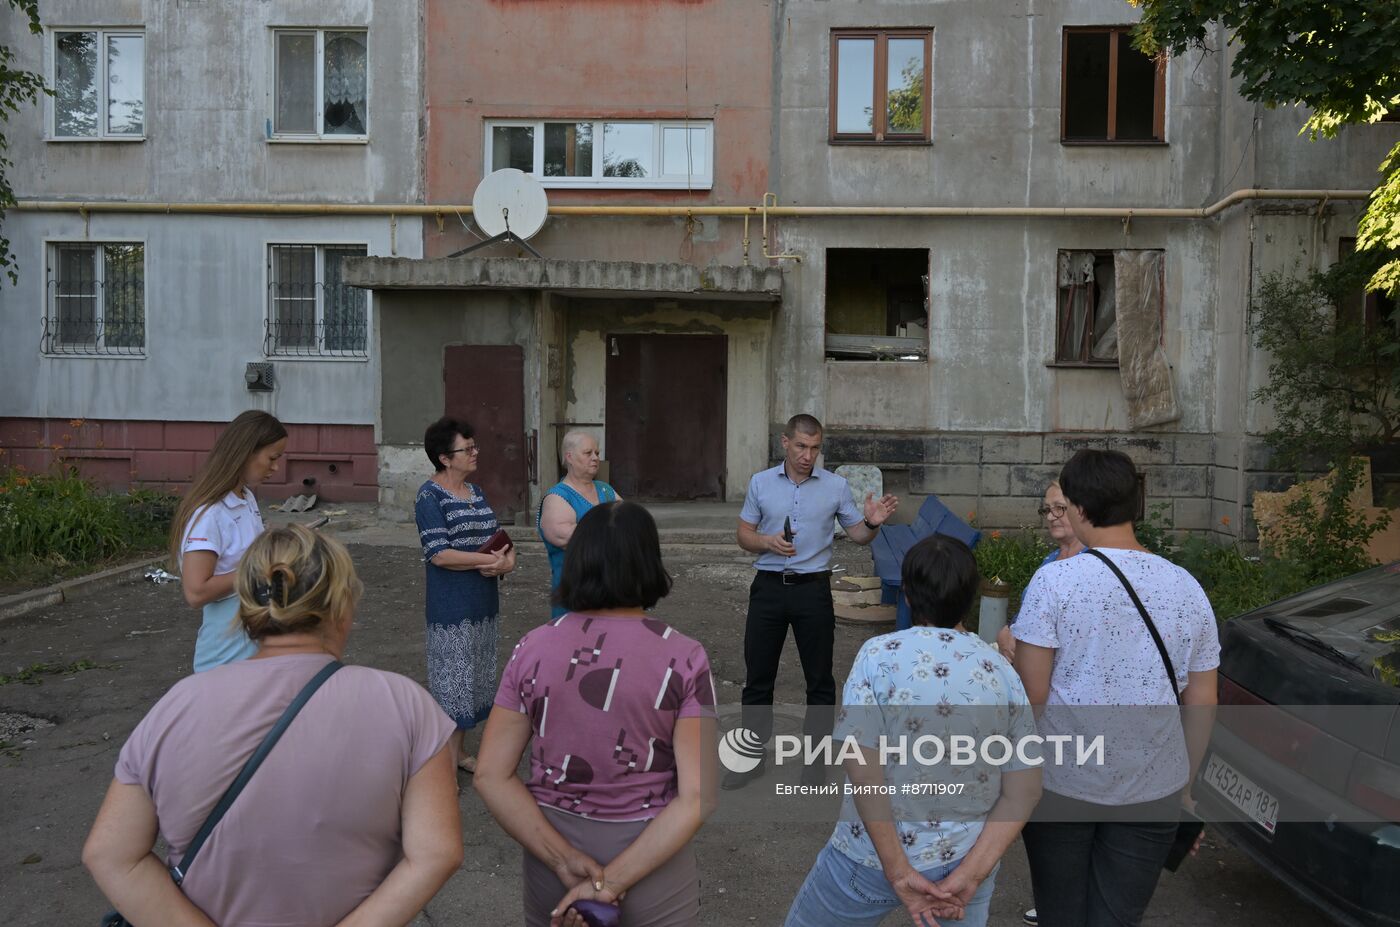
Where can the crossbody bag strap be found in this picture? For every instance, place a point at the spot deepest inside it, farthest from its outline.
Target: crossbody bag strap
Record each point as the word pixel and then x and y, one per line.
pixel 1147 619
pixel 250 767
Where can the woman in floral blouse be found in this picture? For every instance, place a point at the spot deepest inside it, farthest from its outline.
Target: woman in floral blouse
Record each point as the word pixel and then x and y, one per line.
pixel 936 850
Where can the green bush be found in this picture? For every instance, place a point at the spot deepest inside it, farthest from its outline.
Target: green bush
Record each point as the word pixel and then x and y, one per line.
pixel 59 518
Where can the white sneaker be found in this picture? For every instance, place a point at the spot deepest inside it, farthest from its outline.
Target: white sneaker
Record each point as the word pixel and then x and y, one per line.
pixel 1030 918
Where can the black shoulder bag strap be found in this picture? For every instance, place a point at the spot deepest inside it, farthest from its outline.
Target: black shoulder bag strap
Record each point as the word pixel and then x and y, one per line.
pixel 250 767
pixel 1147 619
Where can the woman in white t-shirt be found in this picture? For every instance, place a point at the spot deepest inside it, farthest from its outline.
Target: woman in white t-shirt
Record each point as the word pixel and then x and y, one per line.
pixel 216 522
pixel 1091 667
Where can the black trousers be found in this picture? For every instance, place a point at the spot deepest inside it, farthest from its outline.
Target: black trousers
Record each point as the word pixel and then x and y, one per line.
pixel 1088 873
pixel 773 607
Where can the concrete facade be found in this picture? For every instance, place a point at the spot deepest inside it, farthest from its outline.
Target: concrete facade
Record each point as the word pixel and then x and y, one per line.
pixel 208 109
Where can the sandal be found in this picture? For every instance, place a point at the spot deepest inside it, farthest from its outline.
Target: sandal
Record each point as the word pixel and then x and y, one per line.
pixel 467 764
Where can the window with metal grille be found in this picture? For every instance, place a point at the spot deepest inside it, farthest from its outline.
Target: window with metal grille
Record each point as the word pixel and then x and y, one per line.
pixel 96 299
pixel 310 311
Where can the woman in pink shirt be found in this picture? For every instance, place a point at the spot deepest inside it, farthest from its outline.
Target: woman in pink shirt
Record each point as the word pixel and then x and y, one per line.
pixel 621 709
pixel 351 819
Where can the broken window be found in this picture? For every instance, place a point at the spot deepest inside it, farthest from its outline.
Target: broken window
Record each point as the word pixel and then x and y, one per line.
pixel 1087 323
pixel 877 304
pixel 321 84
pixel 880 85
pixel 1110 91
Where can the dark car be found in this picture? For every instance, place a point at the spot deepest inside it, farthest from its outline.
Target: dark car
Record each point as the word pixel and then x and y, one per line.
pixel 1303 771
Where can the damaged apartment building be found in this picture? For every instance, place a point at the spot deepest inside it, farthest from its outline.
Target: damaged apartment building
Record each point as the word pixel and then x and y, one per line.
pixel 969 237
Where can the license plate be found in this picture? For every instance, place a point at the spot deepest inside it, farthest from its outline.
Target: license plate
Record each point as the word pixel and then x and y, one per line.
pixel 1241 791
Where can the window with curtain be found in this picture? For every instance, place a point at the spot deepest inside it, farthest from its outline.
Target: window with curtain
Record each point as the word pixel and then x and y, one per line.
pixel 321 83
pixel 311 311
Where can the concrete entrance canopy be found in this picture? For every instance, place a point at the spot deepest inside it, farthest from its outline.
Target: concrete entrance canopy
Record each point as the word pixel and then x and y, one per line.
pixel 566 316
pixel 568 278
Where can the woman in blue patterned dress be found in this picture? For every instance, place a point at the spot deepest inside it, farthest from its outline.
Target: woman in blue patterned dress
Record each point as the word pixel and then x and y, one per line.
pixel 463 598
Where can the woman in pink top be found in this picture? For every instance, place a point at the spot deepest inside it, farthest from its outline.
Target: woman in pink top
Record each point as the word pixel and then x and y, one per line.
pixel 351 819
pixel 621 707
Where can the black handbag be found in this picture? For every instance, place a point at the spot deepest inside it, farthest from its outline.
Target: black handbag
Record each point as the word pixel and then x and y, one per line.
pixel 1190 827
pixel 115 918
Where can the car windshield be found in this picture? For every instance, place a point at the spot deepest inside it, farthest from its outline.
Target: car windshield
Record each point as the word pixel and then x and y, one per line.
pixel 1358 618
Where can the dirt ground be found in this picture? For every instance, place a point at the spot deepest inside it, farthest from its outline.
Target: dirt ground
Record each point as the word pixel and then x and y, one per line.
pixel 141 636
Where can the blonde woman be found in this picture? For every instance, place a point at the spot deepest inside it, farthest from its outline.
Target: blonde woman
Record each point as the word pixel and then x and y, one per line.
pixel 215 523
pixel 351 818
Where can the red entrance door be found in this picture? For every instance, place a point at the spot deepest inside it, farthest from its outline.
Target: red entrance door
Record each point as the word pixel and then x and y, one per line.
pixel 485 387
pixel 665 416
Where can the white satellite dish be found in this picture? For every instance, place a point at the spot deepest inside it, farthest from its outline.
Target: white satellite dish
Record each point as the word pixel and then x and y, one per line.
pixel 511 201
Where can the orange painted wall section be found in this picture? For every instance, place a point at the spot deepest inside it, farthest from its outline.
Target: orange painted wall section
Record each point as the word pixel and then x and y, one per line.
pixel 634 59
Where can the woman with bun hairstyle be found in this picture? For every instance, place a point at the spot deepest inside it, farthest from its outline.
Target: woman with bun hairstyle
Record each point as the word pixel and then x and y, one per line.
pixel 214 524
pixel 621 708
pixel 352 817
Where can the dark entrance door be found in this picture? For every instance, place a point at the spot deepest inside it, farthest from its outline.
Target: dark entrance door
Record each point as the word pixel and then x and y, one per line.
pixel 484 385
pixel 665 415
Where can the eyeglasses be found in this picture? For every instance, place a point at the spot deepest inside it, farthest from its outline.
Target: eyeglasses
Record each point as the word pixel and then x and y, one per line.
pixel 473 449
pixel 1057 510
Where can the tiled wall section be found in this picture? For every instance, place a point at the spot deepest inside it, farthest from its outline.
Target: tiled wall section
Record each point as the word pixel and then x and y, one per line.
pixel 340 461
pixel 1001 477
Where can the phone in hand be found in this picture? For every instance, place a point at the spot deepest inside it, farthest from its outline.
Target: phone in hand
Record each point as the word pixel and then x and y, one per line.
pixel 787 529
pixel 1187 831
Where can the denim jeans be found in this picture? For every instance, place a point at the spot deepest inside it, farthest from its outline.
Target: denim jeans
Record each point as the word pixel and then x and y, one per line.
pixel 1097 874
pixel 840 891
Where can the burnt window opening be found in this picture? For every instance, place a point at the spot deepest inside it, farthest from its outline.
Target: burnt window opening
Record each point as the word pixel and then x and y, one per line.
pixel 1110 91
pixel 1369 308
pixel 1094 293
pixel 877 304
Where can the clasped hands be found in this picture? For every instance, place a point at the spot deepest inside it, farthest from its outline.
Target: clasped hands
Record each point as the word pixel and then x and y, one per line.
pixel 589 883
pixel 926 901
pixel 503 564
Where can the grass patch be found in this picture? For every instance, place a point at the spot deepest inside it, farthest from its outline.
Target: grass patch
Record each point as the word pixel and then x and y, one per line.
pixel 57 525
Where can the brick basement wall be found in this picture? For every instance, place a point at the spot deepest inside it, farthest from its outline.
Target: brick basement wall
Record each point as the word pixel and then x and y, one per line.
pixel 340 461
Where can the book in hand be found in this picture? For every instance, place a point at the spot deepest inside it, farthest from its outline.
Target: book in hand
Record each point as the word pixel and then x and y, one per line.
pixel 496 543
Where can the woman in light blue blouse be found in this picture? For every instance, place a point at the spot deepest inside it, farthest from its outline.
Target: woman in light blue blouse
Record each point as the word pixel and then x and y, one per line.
pixel 463 598
pixel 936 855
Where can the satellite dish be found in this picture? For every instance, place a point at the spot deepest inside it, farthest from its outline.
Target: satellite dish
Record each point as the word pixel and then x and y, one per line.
pixel 510 201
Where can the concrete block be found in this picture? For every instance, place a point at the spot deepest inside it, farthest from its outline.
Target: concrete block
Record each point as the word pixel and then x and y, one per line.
pixel 1227 450
pixel 1258 455
pixel 1265 482
pixel 953 449
pixel 843 448
pixel 946 479
pixel 1008 512
pixel 996 479
pixel 1191 514
pixel 1225 484
pixel 1032 480
pixel 1225 518
pixel 1059 448
pixel 1175 481
pixel 897 449
pixel 1195 449
pixel 1144 450
pixel 1013 449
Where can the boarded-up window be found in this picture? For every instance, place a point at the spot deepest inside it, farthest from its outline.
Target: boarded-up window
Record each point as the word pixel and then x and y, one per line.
pixel 877 303
pixel 1109 91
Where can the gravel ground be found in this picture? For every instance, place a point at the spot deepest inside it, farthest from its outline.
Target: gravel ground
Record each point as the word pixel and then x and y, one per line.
pixel 141 636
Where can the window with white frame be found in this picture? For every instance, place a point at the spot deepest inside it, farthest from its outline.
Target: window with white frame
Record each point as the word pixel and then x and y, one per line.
pixel 320 84
pixel 311 312
pixel 99 84
pixel 96 298
pixel 656 155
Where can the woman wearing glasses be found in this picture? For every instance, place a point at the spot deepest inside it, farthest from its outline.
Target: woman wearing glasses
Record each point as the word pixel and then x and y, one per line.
pixel 1052 512
pixel 463 599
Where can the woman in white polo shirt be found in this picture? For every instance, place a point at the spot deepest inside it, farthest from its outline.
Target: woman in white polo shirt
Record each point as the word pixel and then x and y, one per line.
pixel 216 522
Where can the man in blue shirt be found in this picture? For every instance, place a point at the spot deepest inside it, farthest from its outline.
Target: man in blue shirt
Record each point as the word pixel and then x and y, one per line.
pixel 793 583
